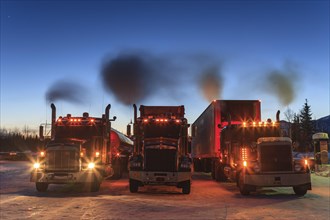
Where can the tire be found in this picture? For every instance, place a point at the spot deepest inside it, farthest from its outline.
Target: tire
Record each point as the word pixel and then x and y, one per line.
pixel 299 191
pixel 186 187
pixel 219 173
pixel 41 187
pixel 95 186
pixel 197 166
pixel 133 186
pixel 213 170
pixel 117 170
pixel 243 189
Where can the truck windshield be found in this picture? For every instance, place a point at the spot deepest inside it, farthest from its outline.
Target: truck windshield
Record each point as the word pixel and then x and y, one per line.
pixel 161 130
pixel 79 132
pixel 249 135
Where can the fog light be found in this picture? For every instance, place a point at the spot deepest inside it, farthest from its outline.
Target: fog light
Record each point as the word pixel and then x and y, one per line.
pixel 36 165
pixel 91 165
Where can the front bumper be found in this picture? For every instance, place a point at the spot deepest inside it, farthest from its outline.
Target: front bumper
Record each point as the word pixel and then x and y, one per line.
pixel 278 180
pixel 86 176
pixel 159 178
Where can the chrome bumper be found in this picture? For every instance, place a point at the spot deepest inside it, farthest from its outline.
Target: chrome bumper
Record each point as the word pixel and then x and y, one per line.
pixel 159 178
pixel 278 180
pixel 65 177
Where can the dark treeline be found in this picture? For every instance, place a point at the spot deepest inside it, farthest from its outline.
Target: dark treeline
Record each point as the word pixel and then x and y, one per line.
pixel 17 141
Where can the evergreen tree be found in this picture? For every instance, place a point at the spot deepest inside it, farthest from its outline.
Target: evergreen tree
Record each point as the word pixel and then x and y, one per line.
pixel 306 126
pixel 295 131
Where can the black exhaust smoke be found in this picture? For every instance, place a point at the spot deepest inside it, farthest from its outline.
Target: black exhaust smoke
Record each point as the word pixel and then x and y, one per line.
pixel 133 77
pixel 282 83
pixel 211 83
pixel 128 77
pixel 67 91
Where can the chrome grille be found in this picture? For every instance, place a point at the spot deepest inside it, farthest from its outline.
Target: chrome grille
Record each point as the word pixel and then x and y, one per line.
pixel 62 160
pixel 160 160
pixel 275 158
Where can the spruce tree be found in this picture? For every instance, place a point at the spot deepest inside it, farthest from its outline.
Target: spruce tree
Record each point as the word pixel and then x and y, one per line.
pixel 306 126
pixel 295 132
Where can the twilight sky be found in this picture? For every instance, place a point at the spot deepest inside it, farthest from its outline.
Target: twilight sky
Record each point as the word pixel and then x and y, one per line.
pixel 83 55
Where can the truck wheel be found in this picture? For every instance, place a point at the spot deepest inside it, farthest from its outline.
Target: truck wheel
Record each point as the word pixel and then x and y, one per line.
pixel 213 170
pixel 117 170
pixel 242 187
pixel 133 186
pixel 219 173
pixel 95 186
pixel 186 187
pixel 41 187
pixel 197 166
pixel 299 191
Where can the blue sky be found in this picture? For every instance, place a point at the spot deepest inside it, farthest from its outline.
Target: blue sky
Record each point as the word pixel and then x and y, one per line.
pixel 47 42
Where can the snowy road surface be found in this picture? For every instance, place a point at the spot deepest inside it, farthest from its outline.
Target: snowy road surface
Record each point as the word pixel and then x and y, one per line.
pixel 208 200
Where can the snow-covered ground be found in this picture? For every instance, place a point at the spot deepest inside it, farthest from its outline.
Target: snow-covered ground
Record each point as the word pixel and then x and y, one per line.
pixel 208 200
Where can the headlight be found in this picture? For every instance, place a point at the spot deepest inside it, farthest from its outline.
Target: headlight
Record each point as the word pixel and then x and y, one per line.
pixel 36 165
pixel 245 163
pixel 91 165
pixel 297 167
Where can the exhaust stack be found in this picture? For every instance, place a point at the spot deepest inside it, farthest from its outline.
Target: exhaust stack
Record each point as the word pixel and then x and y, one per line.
pixel 278 116
pixel 53 120
pixel 107 111
pixel 136 136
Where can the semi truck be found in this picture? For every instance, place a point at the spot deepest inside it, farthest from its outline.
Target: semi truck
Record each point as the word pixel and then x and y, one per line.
pixel 230 141
pixel 160 148
pixel 78 152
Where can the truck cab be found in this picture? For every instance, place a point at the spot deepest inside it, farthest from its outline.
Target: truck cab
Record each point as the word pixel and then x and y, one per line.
pixel 78 152
pixel 257 157
pixel 160 148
